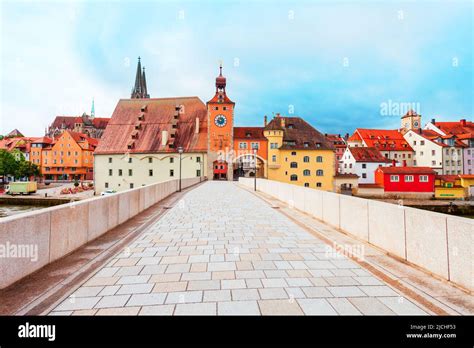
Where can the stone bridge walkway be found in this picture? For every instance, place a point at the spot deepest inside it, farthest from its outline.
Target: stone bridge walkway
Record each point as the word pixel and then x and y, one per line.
pixel 223 250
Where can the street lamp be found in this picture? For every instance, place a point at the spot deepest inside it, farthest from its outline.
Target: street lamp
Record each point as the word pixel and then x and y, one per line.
pixel 180 151
pixel 201 166
pixel 255 173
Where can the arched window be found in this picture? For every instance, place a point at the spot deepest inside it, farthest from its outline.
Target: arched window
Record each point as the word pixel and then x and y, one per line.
pixel 319 172
pixel 294 177
pixel 306 159
pixel 293 165
pixel 319 159
pixel 306 172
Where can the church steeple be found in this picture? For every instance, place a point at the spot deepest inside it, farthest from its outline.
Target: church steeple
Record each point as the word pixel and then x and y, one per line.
pixel 139 90
pixel 92 109
pixel 145 91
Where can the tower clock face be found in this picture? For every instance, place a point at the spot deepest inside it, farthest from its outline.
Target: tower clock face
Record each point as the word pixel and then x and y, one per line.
pixel 220 120
pixel 416 124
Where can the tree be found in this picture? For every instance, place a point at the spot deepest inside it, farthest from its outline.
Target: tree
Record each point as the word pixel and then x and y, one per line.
pixel 26 169
pixel 8 164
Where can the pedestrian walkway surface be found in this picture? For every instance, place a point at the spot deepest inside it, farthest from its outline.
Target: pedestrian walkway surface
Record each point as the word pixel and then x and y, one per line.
pixel 223 250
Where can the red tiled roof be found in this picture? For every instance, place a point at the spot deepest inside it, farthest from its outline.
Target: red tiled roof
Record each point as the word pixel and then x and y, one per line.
pixel 70 121
pixel 299 132
pixel 407 170
pixel 254 132
pixel 346 175
pixel 458 127
pixel 367 154
pixel 448 178
pixel 467 176
pixel 337 140
pixel 384 139
pixel 159 116
pixel 43 140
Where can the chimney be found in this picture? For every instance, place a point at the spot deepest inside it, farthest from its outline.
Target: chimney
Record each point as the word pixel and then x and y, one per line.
pixel 265 120
pixel 197 126
pixel 164 138
pixel 282 121
pixel 326 134
pixel 463 122
pixel 433 120
pixel 420 130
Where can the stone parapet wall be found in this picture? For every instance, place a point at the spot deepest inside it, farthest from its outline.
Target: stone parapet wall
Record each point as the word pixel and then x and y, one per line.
pixel 438 243
pixel 31 240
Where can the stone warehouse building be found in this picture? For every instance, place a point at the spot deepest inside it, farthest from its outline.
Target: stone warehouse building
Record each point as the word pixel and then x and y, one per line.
pixel 141 142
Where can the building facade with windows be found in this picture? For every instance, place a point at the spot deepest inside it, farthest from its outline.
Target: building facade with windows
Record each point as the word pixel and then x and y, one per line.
pixel 299 154
pixel 461 133
pixel 69 157
pixel 406 179
pixel 390 143
pixel 362 161
pixel 250 145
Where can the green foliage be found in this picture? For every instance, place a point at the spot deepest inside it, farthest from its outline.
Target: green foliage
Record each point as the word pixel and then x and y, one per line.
pixel 8 164
pixel 27 169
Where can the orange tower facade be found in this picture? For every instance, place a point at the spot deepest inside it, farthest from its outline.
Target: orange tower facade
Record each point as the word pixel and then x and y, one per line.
pixel 220 110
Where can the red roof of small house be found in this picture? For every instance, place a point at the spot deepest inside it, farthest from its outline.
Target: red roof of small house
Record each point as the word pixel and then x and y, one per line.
pixel 158 117
pixel 298 134
pixel 346 175
pixel 384 139
pixel 367 154
pixel 249 133
pixel 467 176
pixel 447 178
pixel 407 170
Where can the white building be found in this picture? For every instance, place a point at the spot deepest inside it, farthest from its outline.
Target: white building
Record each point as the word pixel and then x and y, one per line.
pixel 362 161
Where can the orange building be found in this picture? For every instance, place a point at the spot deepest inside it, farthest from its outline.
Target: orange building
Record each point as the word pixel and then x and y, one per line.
pixel 68 157
pixel 247 140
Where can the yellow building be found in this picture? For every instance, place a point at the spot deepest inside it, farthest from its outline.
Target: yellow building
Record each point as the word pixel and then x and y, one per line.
pixel 454 186
pixel 299 154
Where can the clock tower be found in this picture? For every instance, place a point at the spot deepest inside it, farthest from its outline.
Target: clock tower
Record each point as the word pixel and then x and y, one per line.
pixel 220 113
pixel 411 120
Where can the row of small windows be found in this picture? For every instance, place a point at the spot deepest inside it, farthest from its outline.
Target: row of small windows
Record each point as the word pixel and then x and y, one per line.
pixel 150 172
pixel 307 172
pixel 306 159
pixel 408 178
pixel 150 159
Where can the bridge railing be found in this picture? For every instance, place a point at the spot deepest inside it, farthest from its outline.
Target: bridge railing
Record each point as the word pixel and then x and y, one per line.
pixel 438 243
pixel 31 240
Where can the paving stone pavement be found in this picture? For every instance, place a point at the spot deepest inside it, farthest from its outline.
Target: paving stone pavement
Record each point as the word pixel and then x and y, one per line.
pixel 223 251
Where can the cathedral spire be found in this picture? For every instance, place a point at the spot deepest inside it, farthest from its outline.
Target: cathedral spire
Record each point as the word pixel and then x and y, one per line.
pixel 139 91
pixel 144 88
pixel 92 109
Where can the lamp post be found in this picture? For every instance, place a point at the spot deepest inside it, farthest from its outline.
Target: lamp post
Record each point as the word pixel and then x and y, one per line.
pixel 180 151
pixel 255 166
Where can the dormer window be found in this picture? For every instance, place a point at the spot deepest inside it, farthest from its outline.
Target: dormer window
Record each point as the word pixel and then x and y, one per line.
pixel 318 144
pixel 306 144
pixel 291 126
pixel 143 108
pixel 141 117
pixel 248 134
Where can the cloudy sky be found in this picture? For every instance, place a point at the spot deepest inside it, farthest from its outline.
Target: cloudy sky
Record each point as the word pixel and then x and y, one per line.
pixel 339 65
